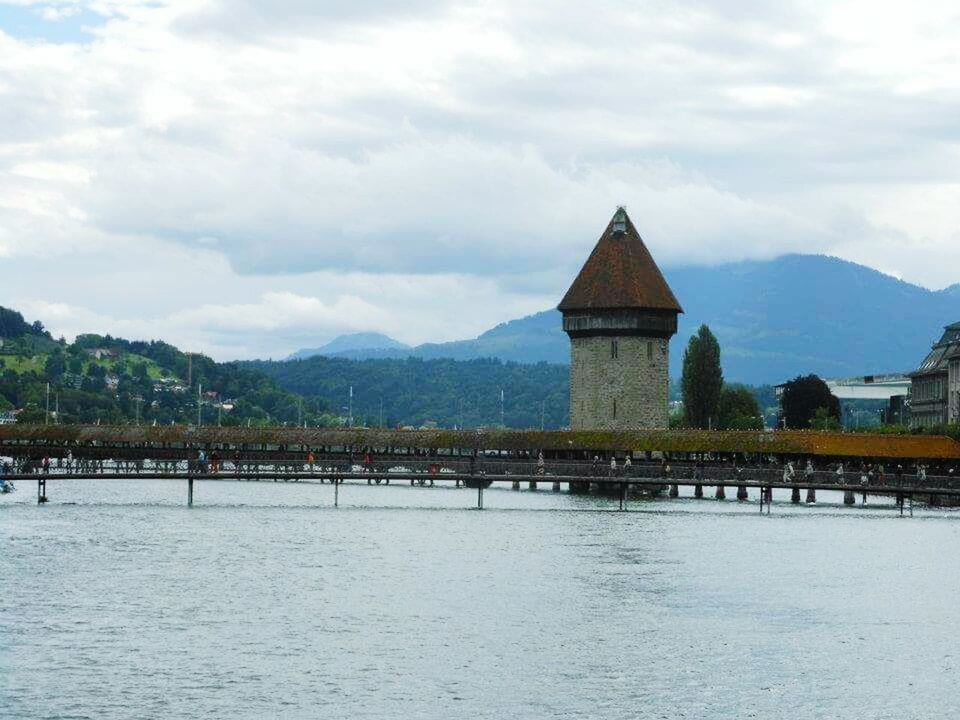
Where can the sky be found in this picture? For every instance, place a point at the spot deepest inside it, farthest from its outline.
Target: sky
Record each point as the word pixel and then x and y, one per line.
pixel 247 178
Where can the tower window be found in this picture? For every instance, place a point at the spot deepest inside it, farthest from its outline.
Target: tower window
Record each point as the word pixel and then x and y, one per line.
pixel 649 349
pixel 614 349
pixel 614 408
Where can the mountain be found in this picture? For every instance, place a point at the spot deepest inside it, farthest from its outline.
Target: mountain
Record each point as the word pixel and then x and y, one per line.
pixel 353 344
pixel 775 319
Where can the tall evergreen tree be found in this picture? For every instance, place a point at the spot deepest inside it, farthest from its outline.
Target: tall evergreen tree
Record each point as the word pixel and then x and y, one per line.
pixel 702 380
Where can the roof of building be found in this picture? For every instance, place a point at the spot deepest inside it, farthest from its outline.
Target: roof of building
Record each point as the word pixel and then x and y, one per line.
pixel 947 348
pixel 620 273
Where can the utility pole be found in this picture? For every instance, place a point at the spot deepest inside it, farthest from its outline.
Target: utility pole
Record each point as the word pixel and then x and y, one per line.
pixel 350 411
pixel 189 369
pixel 199 405
pixel 46 417
pixel 56 413
pixel 501 408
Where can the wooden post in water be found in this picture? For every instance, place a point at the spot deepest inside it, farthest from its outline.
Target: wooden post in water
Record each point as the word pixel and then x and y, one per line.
pixel 336 491
pixel 623 493
pixel 811 495
pixel 532 485
pixel 189 492
pixel 41 490
pixel 721 493
pixel 556 486
pixel 795 496
pixel 742 493
pixel 674 491
pixel 515 485
pixel 480 495
pixel 698 491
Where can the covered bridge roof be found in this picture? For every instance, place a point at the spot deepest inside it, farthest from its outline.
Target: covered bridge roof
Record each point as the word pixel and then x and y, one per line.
pixel 788 442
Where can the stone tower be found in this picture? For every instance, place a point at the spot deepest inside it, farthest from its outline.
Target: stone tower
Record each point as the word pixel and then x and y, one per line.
pixel 620 314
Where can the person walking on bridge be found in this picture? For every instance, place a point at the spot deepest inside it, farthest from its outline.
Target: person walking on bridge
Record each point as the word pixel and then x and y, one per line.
pixel 808 478
pixel 541 465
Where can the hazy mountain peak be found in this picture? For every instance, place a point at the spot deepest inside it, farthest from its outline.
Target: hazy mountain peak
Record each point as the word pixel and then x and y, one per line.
pixel 351 343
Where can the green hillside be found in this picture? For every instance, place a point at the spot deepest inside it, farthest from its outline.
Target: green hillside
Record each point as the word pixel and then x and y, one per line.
pixel 116 381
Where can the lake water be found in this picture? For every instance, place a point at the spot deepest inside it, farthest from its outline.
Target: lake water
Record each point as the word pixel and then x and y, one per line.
pixel 264 601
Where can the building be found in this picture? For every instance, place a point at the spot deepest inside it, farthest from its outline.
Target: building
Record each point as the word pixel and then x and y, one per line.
pixel 935 385
pixel 620 315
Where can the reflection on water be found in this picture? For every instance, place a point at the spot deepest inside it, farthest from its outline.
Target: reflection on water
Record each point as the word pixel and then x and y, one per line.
pixel 265 601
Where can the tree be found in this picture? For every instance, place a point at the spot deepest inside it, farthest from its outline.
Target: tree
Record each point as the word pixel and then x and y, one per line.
pixel 802 397
pixel 702 379
pixel 739 409
pixel 823 420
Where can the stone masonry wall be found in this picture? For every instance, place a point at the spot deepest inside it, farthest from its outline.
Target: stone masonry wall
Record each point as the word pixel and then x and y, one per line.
pixel 622 392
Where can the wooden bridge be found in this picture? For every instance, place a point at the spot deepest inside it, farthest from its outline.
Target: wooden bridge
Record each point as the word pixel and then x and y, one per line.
pixel 661 461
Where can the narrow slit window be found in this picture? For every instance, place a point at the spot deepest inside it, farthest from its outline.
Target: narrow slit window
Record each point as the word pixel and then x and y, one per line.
pixel 649 349
pixel 614 349
pixel 614 408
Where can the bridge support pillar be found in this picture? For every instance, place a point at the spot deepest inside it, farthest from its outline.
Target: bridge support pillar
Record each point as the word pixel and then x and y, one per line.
pixel 41 490
pixel 189 492
pixel 848 498
pixel 795 496
pixel 674 491
pixel 515 485
pixel 721 493
pixel 556 486
pixel 742 493
pixel 532 485
pixel 811 495
pixel 698 491
pixel 623 494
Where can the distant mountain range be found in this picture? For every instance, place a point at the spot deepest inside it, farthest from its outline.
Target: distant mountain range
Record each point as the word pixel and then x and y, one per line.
pixel 353 343
pixel 775 319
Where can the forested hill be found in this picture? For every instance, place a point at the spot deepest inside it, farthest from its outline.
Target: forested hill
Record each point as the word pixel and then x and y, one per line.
pixel 99 378
pixel 415 391
pixel 775 319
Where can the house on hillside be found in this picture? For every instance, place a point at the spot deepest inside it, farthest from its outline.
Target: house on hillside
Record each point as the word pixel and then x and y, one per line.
pixel 101 353
pixel 935 385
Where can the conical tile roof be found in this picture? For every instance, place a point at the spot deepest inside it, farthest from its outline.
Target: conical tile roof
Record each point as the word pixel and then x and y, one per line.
pixel 620 273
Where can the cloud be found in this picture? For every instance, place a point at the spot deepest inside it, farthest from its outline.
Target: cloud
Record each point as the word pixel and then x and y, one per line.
pixel 461 145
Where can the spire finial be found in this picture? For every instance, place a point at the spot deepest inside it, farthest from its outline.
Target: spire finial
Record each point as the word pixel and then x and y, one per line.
pixel 620 221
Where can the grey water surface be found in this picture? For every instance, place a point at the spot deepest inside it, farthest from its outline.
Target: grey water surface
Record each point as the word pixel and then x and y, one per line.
pixel 264 601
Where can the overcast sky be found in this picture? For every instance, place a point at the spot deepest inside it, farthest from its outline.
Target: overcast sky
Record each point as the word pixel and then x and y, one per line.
pixel 246 178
